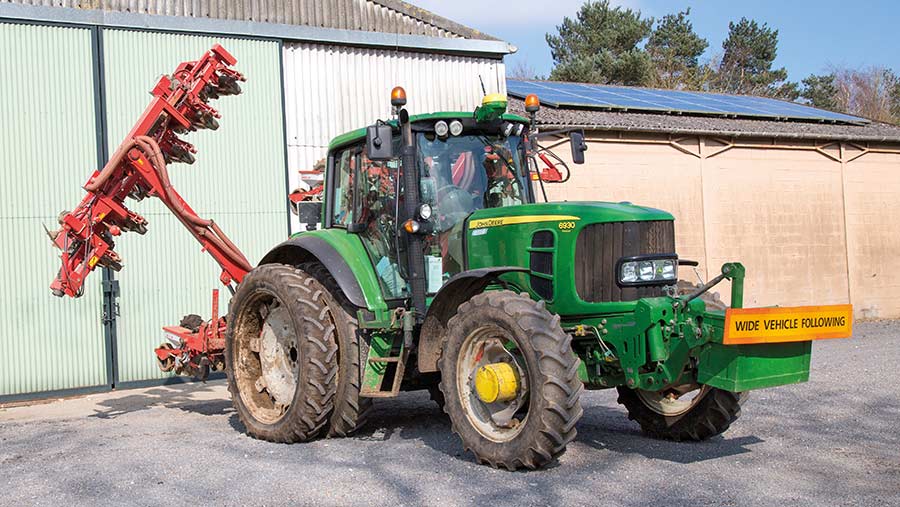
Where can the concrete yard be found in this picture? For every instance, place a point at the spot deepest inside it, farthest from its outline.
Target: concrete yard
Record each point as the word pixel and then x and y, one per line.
pixel 832 441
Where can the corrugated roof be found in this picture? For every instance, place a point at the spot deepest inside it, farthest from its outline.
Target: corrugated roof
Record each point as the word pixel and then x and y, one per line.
pixel 700 125
pixel 387 16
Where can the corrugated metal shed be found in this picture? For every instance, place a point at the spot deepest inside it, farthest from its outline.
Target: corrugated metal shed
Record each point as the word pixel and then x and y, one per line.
pixel 47 150
pixel 388 16
pixel 238 180
pixel 330 90
pixel 338 79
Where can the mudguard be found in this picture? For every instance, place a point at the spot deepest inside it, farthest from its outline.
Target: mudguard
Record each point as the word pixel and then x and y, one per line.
pixel 460 288
pixel 306 248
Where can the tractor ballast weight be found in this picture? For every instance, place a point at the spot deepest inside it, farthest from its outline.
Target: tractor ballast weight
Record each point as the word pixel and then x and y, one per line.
pixel 434 268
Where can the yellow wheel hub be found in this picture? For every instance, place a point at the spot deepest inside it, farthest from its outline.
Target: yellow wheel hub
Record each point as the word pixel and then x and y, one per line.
pixel 496 382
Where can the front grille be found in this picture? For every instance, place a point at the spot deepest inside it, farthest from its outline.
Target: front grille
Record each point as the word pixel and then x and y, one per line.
pixel 542 263
pixel 598 248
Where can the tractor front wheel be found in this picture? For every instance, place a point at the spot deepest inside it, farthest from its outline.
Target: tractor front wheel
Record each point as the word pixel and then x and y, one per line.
pixel 509 381
pixel 689 413
pixel 281 355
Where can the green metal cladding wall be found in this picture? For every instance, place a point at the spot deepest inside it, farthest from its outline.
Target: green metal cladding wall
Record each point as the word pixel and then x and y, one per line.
pixel 238 180
pixel 48 148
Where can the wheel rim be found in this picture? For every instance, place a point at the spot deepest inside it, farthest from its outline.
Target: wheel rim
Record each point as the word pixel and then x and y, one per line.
pixel 268 362
pixel 500 421
pixel 673 402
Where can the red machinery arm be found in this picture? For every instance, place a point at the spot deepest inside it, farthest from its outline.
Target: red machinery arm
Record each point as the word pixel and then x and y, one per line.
pixel 138 169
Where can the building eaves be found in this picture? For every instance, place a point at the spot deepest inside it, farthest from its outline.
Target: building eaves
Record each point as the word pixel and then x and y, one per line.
pixel 384 16
pixel 708 125
pixel 433 19
pixel 32 12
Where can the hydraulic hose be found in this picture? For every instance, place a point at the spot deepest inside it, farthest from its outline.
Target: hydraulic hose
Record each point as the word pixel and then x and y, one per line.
pixel 203 228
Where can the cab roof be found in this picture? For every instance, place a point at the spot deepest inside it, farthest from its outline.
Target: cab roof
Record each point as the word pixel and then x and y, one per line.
pixel 355 135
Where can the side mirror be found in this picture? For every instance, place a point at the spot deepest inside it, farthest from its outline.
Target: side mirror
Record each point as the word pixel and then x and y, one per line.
pixel 576 139
pixel 309 213
pixel 378 142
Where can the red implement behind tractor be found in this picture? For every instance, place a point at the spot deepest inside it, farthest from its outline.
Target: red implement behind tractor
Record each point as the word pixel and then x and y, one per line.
pixel 138 169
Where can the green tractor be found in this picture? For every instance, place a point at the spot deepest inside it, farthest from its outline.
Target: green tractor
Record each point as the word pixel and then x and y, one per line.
pixel 434 268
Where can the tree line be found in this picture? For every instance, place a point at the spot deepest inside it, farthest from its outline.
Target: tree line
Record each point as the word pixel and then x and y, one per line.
pixel 615 45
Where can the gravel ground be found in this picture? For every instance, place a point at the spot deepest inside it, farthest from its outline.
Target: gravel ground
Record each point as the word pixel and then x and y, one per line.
pixel 832 441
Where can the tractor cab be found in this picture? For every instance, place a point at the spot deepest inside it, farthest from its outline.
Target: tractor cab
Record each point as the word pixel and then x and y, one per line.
pixel 462 162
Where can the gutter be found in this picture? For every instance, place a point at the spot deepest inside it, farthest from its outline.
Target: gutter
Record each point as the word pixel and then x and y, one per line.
pixel 220 27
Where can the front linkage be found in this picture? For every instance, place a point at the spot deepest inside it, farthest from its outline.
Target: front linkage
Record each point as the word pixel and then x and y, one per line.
pixel 678 340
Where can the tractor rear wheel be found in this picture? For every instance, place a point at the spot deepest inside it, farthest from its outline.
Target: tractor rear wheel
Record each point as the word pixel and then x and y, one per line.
pixel 350 410
pixel 509 379
pixel 281 355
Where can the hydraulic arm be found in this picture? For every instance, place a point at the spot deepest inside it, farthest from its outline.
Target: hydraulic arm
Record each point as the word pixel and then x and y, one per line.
pixel 138 169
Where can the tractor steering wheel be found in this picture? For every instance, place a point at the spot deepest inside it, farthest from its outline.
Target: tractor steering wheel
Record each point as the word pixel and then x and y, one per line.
pixel 455 205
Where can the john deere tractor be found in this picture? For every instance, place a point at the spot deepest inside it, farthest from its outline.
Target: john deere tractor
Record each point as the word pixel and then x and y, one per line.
pixel 431 266
pixel 434 268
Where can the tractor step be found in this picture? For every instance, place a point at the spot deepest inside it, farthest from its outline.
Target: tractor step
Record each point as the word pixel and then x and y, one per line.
pixel 383 375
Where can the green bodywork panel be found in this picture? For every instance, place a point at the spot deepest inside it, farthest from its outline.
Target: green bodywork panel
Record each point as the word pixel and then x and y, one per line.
pixel 744 367
pixel 510 245
pixel 360 134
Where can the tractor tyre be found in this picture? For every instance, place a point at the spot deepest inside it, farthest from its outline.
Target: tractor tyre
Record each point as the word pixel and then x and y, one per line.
pixel 434 392
pixel 708 414
pixel 281 355
pixel 534 420
pixel 350 410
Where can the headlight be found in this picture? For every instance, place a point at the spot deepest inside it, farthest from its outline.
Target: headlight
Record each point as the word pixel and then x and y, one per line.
pixel 456 127
pixel 441 128
pixel 647 271
pixel 425 211
pixel 629 272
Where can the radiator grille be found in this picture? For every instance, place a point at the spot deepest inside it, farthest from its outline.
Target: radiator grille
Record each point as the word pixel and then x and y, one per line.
pixel 598 248
pixel 542 262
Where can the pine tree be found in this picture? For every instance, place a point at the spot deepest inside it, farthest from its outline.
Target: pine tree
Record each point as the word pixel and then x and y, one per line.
pixel 601 46
pixel 746 66
pixel 675 49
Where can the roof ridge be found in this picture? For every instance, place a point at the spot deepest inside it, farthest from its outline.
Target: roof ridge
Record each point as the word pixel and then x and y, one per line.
pixel 431 18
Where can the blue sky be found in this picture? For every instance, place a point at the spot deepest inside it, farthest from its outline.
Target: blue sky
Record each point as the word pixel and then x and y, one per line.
pixel 813 35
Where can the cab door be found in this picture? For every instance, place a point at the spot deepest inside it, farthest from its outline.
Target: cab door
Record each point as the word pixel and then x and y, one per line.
pixel 363 201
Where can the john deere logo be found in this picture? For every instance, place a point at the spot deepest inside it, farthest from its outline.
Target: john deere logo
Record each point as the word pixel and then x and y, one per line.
pixel 525 219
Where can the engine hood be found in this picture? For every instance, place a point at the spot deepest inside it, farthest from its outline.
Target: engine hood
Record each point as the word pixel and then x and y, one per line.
pixel 586 212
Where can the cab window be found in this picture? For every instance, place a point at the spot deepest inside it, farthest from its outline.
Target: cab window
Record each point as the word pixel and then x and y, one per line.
pixel 342 198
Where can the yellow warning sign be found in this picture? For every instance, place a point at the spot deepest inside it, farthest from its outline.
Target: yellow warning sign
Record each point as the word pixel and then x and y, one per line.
pixel 790 324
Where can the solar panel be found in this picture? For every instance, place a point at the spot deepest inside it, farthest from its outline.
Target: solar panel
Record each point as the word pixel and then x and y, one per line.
pixel 623 98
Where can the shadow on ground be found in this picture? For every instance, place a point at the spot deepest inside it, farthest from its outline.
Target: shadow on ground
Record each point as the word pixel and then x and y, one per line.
pixel 178 396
